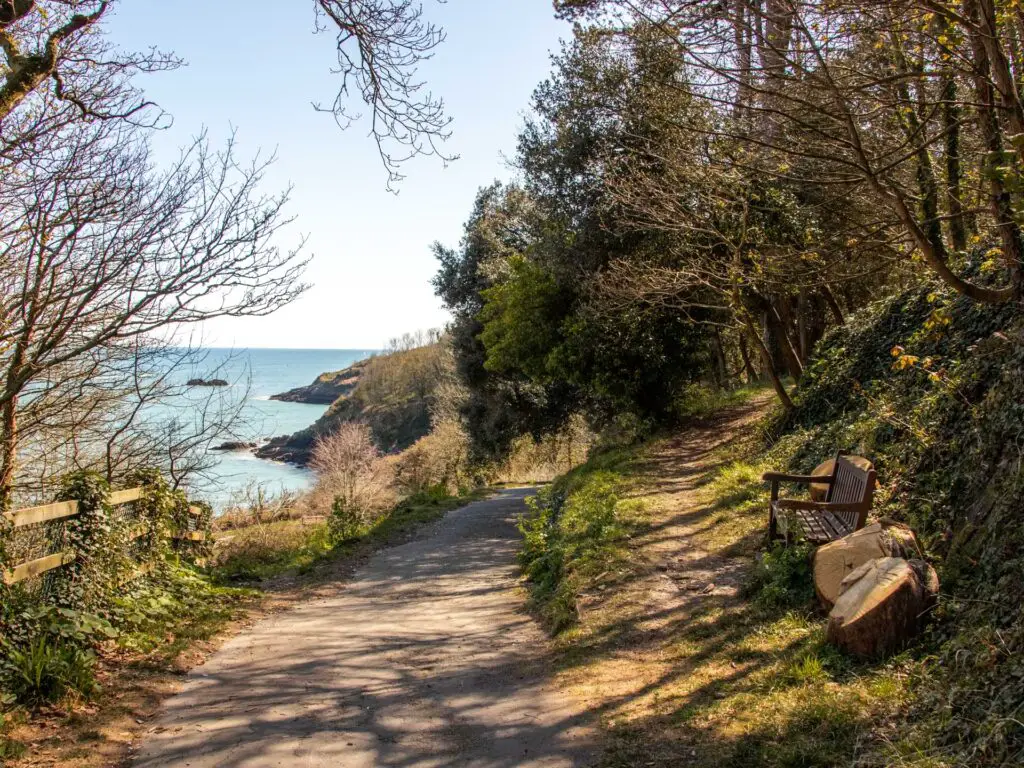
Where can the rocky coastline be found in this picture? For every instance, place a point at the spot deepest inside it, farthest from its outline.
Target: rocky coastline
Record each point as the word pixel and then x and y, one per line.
pixel 326 388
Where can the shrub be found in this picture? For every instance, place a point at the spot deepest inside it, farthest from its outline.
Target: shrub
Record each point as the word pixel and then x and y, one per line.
pixel 350 467
pixel 47 670
pixel 46 652
pixel 440 458
pixel 782 577
pixel 346 522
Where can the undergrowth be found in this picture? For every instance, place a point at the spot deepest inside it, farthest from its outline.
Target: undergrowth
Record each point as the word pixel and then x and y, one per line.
pixel 576 537
pixel 703 679
pixel 265 550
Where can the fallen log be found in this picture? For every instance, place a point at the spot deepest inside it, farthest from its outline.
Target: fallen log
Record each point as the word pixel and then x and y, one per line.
pixel 882 606
pixel 834 561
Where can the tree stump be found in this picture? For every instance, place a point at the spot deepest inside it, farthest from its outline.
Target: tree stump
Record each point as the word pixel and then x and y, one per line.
pixel 820 490
pixel 834 561
pixel 882 606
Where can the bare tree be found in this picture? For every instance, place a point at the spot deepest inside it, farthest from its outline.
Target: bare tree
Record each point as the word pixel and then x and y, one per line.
pixel 350 468
pixel 54 51
pixel 380 45
pixel 99 253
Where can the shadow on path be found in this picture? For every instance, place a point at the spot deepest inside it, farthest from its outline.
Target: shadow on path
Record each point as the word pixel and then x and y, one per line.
pixel 426 658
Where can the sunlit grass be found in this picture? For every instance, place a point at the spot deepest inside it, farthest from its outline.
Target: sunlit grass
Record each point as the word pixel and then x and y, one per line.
pixel 722 681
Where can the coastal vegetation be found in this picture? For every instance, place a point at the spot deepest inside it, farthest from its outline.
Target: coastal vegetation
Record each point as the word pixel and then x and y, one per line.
pixel 110 261
pixel 741 237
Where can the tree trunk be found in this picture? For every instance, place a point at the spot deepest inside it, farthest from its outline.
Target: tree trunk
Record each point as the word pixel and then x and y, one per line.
pixel 721 365
pixel 748 367
pixel 999 196
pixel 801 325
pixel 954 199
pixel 766 358
pixel 8 452
pixel 784 341
pixel 833 305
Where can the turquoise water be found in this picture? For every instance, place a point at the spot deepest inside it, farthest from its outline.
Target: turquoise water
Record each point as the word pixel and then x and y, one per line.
pixel 254 375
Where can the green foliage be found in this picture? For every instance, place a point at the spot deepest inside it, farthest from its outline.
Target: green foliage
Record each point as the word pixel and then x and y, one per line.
pixel 635 360
pixel 575 532
pixel 124 577
pixel 46 651
pixel 930 386
pixel 47 670
pixel 520 317
pixel 85 582
pixel 165 613
pixel 346 522
pixel 782 577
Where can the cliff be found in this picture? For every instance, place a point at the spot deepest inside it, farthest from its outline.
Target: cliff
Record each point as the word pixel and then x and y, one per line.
pixel 326 388
pixel 391 393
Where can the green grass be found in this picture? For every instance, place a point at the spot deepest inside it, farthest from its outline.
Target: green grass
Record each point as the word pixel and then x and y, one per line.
pixel 700 400
pixel 264 551
pixel 576 536
pixel 711 681
pixel 415 512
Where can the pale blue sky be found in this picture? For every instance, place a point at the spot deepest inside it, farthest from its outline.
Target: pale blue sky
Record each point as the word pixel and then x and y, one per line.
pixel 257 67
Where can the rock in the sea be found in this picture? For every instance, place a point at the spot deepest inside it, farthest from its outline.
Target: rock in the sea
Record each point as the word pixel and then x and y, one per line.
pixel 820 490
pixel 235 445
pixel 207 383
pixel 292 449
pixel 836 560
pixel 881 606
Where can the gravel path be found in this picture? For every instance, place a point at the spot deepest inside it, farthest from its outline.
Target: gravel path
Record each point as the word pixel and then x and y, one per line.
pixel 425 658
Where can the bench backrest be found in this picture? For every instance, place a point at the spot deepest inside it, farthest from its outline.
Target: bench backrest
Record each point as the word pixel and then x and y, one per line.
pixel 852 485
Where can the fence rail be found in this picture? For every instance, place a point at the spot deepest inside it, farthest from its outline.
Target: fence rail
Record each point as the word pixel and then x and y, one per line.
pixel 63 510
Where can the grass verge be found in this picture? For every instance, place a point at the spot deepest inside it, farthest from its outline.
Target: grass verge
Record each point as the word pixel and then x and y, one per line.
pixel 694 648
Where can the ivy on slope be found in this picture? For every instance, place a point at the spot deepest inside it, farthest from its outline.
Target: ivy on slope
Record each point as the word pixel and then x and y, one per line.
pixel 930 386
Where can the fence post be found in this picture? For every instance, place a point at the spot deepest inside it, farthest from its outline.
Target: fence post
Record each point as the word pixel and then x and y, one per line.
pixel 6 534
pixel 83 583
pixel 187 523
pixel 156 510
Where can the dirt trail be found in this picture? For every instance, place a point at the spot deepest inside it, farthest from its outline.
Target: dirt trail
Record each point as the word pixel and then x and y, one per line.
pixel 426 657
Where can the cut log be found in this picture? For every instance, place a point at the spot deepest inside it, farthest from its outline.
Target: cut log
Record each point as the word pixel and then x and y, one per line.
pixel 834 561
pixel 882 606
pixel 820 490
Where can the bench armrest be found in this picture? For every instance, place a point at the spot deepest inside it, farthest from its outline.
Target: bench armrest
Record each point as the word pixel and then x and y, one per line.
pixel 777 477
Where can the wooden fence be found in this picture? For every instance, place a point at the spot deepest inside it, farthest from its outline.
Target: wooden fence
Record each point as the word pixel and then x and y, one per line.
pixel 65 510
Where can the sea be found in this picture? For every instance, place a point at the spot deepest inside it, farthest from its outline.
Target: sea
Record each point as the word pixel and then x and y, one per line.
pixel 253 375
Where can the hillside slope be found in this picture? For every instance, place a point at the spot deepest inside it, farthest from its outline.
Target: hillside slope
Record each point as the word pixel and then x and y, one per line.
pixel 635 559
pixel 392 393
pixel 325 388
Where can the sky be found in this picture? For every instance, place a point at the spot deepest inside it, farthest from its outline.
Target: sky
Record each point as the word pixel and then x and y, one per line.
pixel 255 67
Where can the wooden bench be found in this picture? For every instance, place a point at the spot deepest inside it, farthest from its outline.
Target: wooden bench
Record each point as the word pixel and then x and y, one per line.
pixel 845 509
